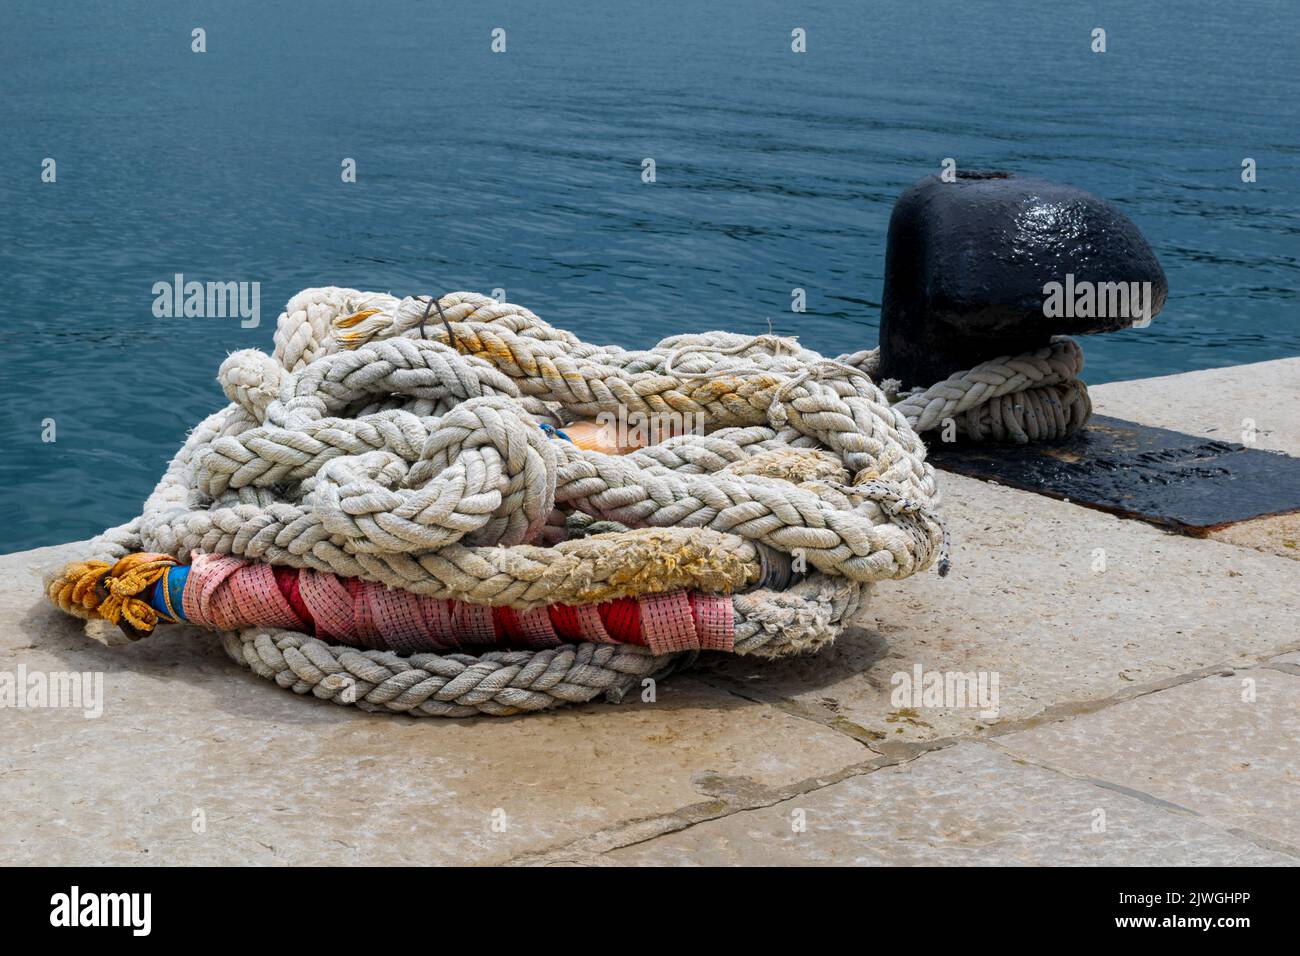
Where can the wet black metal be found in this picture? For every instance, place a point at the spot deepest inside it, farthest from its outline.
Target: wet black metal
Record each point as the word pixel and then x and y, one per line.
pixel 1189 484
pixel 966 264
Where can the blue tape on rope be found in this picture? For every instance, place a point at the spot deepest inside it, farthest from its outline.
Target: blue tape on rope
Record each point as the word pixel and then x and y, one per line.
pixel 554 432
pixel 174 582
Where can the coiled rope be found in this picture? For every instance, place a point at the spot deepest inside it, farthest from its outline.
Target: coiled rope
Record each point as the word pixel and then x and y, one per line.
pixel 397 441
pixel 1037 396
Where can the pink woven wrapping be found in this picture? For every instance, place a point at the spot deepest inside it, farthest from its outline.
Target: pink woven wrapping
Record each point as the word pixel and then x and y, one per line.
pixel 668 622
pixel 397 618
pixel 207 573
pixel 439 635
pixel 715 622
pixel 536 628
pixel 592 627
pixel 363 619
pixel 330 604
pixel 229 593
pixel 254 591
pixel 472 623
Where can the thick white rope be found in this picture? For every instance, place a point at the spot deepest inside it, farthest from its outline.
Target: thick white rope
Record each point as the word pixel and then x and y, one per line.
pixel 1037 396
pixel 398 441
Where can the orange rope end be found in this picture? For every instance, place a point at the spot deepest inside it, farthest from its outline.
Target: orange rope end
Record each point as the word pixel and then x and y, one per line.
pixel 93 589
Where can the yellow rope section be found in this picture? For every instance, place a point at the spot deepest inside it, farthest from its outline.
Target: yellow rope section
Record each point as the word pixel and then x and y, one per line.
pixel 347 322
pixel 92 589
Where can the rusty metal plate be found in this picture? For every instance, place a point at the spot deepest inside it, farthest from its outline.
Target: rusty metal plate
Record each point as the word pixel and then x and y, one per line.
pixel 1190 484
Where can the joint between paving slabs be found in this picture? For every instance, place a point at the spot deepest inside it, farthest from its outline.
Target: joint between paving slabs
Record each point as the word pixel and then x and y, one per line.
pixel 593 846
pixel 745 796
pixel 903 750
pixel 1159 803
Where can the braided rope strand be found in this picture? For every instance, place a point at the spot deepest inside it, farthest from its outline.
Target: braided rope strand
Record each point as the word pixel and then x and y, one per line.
pixel 1033 397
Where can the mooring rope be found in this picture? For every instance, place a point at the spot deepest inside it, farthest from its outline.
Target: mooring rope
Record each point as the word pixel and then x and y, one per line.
pixel 1037 396
pixel 397 442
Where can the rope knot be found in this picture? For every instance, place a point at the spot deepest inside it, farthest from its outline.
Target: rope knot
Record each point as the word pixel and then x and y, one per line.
pixel 252 380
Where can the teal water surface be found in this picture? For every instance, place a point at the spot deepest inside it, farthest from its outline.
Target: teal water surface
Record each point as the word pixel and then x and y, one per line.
pixel 522 171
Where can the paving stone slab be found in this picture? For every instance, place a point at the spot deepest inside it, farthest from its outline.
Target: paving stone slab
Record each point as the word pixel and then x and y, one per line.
pixel 186 737
pixel 1030 601
pixel 965 805
pixel 1225 747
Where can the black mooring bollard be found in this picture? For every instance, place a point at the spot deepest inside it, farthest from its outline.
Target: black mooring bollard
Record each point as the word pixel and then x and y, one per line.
pixel 967 262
